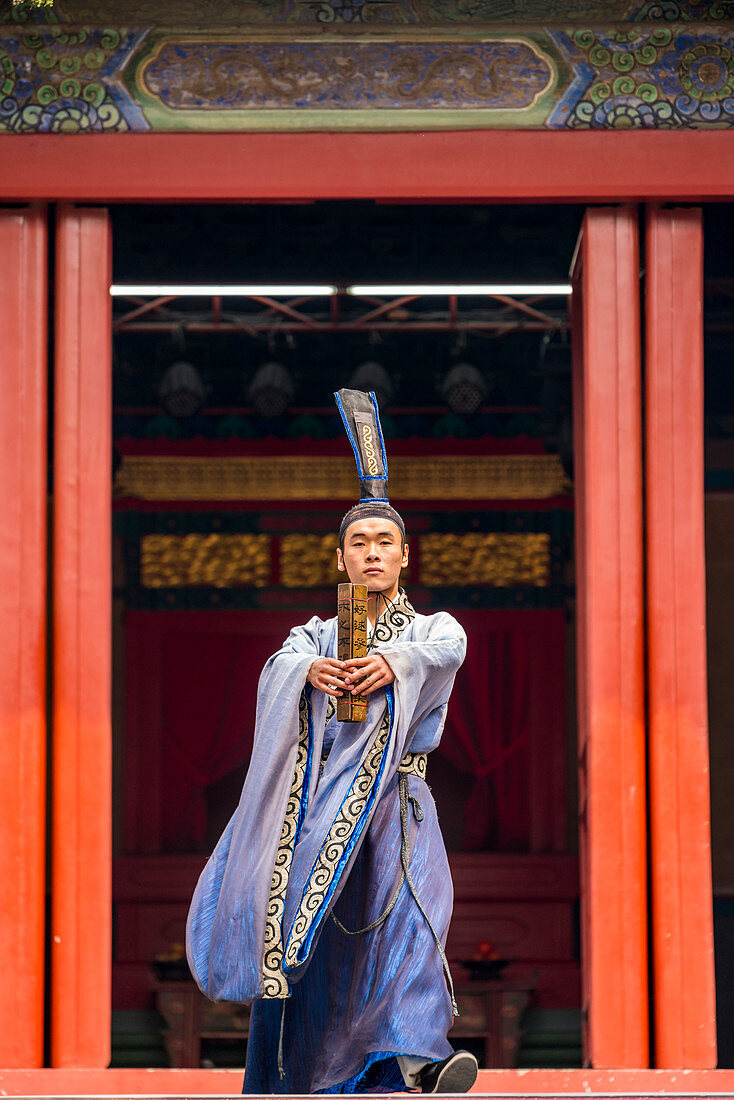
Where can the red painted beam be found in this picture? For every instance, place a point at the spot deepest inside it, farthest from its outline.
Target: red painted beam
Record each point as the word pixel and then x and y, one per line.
pixel 608 475
pixel 485 165
pixel 23 324
pixel 680 841
pixel 81 850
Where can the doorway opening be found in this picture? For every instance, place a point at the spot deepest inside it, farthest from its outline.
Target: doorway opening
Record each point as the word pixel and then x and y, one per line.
pixel 719 510
pixel 219 549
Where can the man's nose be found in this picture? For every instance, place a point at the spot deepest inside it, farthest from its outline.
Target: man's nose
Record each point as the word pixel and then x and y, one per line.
pixel 373 552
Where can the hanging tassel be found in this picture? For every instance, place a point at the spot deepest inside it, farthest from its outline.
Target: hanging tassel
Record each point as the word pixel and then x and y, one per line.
pixel 281 1068
pixel 407 799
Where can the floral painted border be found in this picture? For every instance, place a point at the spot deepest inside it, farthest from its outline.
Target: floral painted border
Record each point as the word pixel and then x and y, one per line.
pixel 661 77
pixel 55 80
pixel 659 74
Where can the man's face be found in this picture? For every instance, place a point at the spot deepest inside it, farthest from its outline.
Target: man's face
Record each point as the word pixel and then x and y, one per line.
pixel 373 554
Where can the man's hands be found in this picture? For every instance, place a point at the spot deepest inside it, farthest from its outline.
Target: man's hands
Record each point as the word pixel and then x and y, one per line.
pixel 327 675
pixel 368 673
pixel 360 676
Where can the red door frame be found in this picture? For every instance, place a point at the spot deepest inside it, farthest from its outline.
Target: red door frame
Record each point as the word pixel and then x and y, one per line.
pixel 458 166
pixel 81 838
pixel 23 324
pixel 610 643
pixel 680 836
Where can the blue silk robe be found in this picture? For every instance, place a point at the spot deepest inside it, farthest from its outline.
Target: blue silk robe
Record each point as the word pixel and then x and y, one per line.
pixel 308 838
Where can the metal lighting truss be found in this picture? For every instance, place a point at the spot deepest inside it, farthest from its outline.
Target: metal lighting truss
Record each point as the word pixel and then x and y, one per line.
pixel 258 315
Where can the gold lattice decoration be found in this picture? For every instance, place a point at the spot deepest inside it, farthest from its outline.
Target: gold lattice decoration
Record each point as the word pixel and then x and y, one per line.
pixel 216 560
pixel 307 561
pixel 292 477
pixel 496 559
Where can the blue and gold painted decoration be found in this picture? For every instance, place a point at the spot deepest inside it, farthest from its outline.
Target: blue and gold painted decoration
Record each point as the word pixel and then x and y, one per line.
pixel 660 77
pixel 59 80
pixel 237 65
pixel 352 83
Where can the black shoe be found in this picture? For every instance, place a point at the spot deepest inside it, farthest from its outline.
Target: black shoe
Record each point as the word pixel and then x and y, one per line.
pixel 457 1073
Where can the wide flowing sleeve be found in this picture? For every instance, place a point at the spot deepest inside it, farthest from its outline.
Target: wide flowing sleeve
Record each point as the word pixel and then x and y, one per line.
pixel 230 920
pixel 425 662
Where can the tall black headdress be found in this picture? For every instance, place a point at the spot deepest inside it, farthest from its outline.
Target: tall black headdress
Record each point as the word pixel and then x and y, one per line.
pixel 361 419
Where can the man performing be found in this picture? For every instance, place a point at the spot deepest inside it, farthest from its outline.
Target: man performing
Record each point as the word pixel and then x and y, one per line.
pixel 328 898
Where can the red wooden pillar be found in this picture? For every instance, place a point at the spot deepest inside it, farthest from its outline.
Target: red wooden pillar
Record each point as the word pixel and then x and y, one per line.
pixel 81 855
pixel 608 475
pixel 23 326
pixel 680 843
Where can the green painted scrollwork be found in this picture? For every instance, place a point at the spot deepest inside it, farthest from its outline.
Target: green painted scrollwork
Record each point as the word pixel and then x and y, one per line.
pixel 70 88
pixel 46 58
pixel 46 94
pixel 94 93
pixel 623 62
pixel 60 90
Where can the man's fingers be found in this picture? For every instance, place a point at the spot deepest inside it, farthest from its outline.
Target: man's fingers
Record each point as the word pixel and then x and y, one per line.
pixel 375 687
pixel 366 674
pixel 329 674
pixel 365 666
pixel 330 663
pixel 369 684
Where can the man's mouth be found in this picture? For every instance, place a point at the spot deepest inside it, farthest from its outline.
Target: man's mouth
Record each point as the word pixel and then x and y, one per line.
pixel 373 570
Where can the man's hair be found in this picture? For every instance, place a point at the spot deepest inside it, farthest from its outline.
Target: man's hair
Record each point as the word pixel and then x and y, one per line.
pixel 366 509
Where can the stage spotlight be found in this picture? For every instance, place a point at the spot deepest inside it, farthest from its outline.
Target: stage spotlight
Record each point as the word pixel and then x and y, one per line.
pixel 271 390
pixel 182 390
pixel 464 389
pixel 373 376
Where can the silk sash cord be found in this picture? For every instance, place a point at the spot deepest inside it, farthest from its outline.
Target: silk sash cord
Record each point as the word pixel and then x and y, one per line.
pixel 487 737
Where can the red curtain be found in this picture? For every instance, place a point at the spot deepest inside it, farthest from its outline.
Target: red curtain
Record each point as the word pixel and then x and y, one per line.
pixel 503 696
pixel 191 692
pixel 208 684
pixel 191 688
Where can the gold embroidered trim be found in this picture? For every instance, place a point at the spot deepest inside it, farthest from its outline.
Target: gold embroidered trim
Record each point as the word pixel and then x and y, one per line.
pixel 393 620
pixel 414 763
pixel 336 841
pixel 389 625
pixel 275 983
